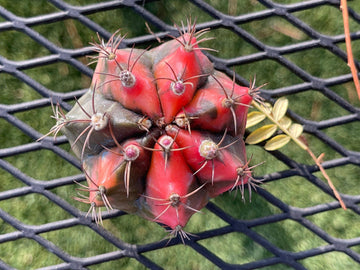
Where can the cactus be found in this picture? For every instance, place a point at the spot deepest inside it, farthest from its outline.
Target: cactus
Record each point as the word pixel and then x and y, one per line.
pixel 160 131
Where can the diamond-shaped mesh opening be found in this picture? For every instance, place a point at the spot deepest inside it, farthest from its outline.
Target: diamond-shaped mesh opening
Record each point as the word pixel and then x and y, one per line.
pixel 13 135
pixel 78 35
pixel 20 46
pixel 124 263
pixel 55 74
pixel 346 183
pixel 9 181
pixel 129 22
pixel 284 232
pixel 5 228
pixel 275 31
pixel 277 267
pixel 293 222
pixel 319 106
pixel 230 203
pixel 15 91
pixel 38 118
pixel 81 2
pixel 179 11
pixel 327 22
pixel 91 243
pixel 336 226
pixel 345 91
pixel 345 133
pixel 40 7
pixel 205 221
pixel 193 259
pixel 231 48
pixel 330 261
pixel 279 77
pixel 29 254
pixel 319 57
pixel 39 165
pixel 123 228
pixel 234 8
pixel 230 248
pixel 304 189
pixel 24 207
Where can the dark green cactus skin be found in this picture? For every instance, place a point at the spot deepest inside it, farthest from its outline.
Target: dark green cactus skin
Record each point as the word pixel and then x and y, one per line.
pixel 124 124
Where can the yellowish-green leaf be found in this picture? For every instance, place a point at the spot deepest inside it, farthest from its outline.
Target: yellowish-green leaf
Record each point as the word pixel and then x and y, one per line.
pixel 280 108
pixel 254 118
pixel 296 130
pixel 277 142
pixel 285 122
pixel 266 107
pixel 261 134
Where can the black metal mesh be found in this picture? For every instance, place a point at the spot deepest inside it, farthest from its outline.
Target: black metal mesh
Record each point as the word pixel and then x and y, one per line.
pixel 13 229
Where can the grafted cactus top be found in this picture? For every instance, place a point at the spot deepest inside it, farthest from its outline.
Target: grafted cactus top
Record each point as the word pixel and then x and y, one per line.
pixel 160 131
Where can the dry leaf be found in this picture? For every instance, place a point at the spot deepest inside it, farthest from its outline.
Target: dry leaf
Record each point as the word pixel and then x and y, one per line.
pixel 280 108
pixel 277 142
pixel 254 118
pixel 296 130
pixel 285 122
pixel 261 134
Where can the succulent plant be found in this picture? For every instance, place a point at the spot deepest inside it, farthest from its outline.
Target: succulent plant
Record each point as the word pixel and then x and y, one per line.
pixel 160 131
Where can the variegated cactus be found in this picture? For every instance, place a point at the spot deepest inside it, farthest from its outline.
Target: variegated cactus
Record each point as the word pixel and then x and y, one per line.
pixel 159 132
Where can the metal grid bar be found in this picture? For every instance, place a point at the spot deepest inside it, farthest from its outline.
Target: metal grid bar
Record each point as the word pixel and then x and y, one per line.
pixel 219 20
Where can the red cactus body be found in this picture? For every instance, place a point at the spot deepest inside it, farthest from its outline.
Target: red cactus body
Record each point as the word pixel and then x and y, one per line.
pixel 176 83
pixel 128 79
pixel 116 176
pixel 169 187
pixel 107 173
pixel 214 164
pixel 187 42
pixel 238 97
pixel 178 75
pixel 220 104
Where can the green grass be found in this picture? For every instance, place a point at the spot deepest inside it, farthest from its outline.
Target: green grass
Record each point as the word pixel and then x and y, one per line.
pixel 35 209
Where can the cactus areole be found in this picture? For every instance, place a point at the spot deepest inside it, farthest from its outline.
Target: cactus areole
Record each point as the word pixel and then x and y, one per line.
pixel 159 132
